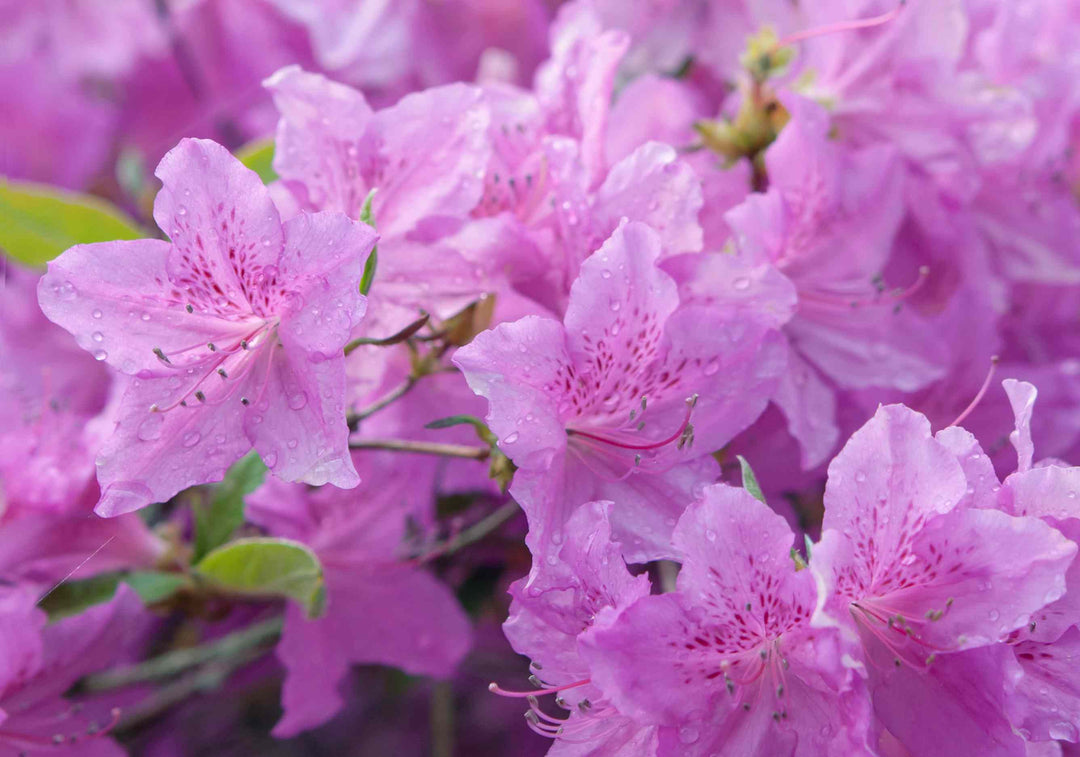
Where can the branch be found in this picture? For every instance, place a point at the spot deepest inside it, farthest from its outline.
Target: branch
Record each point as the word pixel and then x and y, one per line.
pixel 423 448
pixel 173 663
pixel 475 532
pixel 353 419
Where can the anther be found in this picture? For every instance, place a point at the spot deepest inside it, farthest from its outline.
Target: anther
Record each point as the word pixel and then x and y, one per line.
pixel 245 401
pixel 189 308
pixel 221 372
pixel 200 396
pixel 162 356
pixel 210 346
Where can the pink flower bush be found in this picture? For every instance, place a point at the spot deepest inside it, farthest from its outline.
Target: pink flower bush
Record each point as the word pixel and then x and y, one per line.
pixel 721 359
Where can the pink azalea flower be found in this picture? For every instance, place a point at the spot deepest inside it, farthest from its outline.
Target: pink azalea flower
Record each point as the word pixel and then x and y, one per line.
pixel 41 662
pixel 381 607
pixel 232 333
pixel 1046 701
pixel 425 158
pixel 931 579
pixel 49 392
pixel 580 587
pixel 619 390
pixel 730 661
pixel 827 222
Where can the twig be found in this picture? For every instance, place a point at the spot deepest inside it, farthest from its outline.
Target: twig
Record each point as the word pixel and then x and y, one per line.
pixel 442 720
pixel 475 532
pixel 177 661
pixel 405 333
pixel 173 693
pixel 423 448
pixel 353 419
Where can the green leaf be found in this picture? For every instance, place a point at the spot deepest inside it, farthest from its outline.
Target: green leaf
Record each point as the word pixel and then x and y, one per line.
pixel 216 520
pixel 365 212
pixel 259 157
pixel 265 567
pixel 373 259
pixel 153 587
pixel 749 481
pixel 38 222
pixel 73 597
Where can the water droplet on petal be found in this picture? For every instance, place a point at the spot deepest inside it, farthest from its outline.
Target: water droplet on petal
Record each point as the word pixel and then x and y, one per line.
pixel 97 313
pixel 688 734
pixel 298 400
pixel 511 438
pixel 97 336
pixel 270 460
pixel 191 438
pixel 66 291
pixel 150 428
pixel 100 354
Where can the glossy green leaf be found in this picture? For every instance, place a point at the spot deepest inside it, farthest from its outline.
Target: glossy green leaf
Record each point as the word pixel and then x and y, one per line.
pixel 259 157
pixel 265 567
pixel 749 480
pixel 218 519
pixel 38 222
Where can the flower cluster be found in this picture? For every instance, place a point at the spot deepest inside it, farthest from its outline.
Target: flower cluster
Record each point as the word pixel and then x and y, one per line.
pixel 695 308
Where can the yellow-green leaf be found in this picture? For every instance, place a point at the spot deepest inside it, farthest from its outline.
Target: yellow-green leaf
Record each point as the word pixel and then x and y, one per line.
pixel 266 567
pixel 38 222
pixel 259 157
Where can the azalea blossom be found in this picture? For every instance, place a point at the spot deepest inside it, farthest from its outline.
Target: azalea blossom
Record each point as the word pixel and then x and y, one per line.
pixel 231 334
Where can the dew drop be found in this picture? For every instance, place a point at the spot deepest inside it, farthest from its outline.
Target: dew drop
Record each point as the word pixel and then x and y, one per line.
pixel 688 734
pixel 97 313
pixel 191 438
pixel 860 477
pixel 298 400
pixel 511 438
pixel 270 460
pixel 100 355
pixel 150 429
pixel 66 291
pixel 712 368
pixel 97 336
pixel 742 283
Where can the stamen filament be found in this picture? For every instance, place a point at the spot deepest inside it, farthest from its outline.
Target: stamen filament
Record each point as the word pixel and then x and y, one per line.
pixel 981 393
pixel 842 26
pixel 494 688
pixel 690 403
